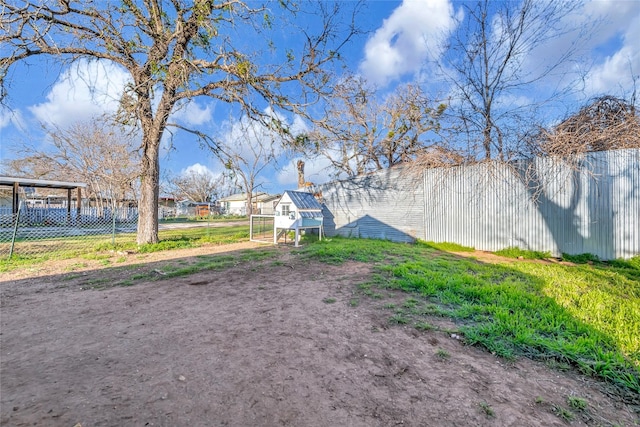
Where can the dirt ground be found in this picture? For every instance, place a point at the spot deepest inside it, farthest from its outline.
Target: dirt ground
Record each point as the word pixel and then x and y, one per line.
pixel 266 343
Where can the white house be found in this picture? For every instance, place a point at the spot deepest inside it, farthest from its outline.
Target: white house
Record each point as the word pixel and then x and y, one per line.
pixel 297 210
pixel 236 204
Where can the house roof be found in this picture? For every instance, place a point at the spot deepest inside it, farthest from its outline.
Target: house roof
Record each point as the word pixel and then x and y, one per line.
pixel 241 197
pixel 303 200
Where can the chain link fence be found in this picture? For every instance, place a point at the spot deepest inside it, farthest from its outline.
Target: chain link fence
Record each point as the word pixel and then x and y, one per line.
pixel 37 231
pixel 261 228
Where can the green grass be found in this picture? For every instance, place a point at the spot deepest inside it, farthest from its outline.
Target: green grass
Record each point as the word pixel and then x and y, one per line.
pixel 447 246
pixel 216 262
pixel 399 319
pixel 487 409
pixel 16 262
pixel 577 403
pixel 581 258
pixel 443 354
pixel 563 413
pixel 585 316
pixel 632 264
pixel 514 252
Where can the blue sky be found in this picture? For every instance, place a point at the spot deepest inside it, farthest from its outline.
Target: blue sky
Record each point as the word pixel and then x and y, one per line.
pixel 400 47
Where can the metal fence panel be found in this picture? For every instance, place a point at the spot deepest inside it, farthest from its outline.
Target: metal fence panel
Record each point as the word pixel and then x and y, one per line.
pixel 594 208
pixel 546 205
pixel 382 205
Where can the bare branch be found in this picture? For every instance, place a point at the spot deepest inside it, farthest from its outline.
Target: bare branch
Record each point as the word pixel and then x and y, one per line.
pixel 606 123
pixel 359 133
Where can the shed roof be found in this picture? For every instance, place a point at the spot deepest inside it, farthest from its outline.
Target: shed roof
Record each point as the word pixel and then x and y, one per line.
pixel 303 200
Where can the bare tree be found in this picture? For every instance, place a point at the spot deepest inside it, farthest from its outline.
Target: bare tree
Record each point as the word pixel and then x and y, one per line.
pixel 94 152
pixel 359 133
pixel 248 148
pixel 179 50
pixel 606 123
pixel 196 185
pixel 486 64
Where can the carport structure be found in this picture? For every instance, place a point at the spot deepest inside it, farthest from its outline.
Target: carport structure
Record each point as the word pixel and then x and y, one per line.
pixel 16 183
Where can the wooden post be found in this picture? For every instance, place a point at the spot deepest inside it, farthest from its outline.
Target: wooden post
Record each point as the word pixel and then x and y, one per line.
pixel 14 203
pixel 68 206
pixel 79 205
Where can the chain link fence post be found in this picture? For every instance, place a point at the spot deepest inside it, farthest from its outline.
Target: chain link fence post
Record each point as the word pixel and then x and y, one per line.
pixel 15 231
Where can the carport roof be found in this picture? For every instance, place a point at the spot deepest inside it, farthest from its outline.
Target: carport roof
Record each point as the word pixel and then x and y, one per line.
pixel 41 183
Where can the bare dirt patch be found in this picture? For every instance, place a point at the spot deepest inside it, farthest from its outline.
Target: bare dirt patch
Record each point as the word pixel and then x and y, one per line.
pixel 279 341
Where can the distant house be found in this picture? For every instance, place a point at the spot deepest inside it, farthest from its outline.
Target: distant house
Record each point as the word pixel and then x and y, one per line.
pixel 297 210
pixel 167 202
pixel 236 204
pixel 191 208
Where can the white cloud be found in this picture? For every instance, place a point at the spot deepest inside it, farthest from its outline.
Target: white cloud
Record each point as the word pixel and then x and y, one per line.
pixel 246 138
pixel 614 73
pixel 199 169
pixel 615 16
pixel 249 138
pixel 86 89
pixel 409 37
pixel 298 126
pixel 212 169
pixel 604 36
pixel 193 114
pixel 11 117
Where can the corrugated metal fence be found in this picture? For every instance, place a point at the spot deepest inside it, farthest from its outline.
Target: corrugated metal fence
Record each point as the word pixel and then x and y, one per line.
pixel 588 205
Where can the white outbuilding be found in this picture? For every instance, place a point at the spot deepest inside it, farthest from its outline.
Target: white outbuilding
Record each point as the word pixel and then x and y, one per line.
pixel 297 210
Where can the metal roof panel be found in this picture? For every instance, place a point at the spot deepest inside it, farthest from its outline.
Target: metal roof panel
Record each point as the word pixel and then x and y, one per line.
pixel 314 214
pixel 303 200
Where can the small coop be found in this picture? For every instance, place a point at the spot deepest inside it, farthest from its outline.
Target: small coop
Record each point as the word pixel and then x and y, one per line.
pixel 296 211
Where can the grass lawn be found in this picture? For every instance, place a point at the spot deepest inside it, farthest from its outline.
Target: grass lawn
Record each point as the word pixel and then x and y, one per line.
pixel 583 316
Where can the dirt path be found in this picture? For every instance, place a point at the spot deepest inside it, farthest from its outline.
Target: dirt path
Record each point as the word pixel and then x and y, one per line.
pixel 280 342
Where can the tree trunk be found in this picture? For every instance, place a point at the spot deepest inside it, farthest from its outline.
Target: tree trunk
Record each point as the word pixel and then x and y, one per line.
pixel 301 181
pixel 149 188
pixel 486 141
pixel 249 204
